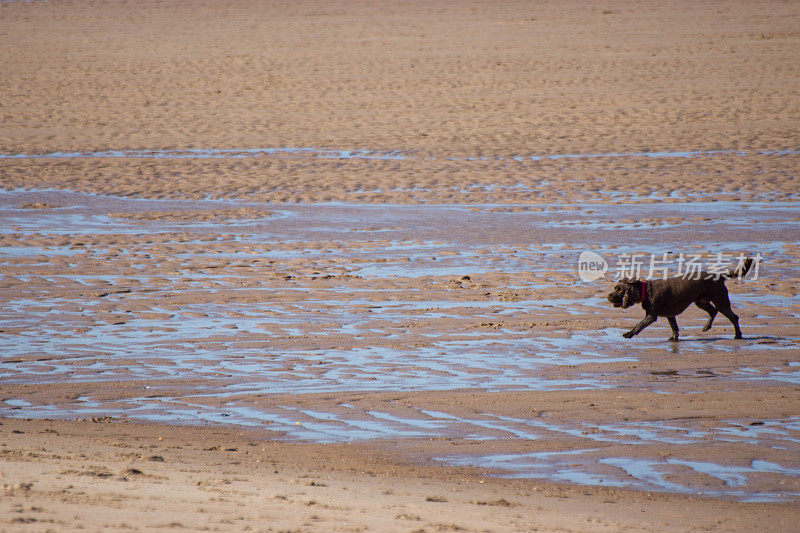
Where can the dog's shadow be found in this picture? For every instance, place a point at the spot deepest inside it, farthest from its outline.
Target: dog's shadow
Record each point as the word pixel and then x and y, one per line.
pixel 766 340
pixel 728 338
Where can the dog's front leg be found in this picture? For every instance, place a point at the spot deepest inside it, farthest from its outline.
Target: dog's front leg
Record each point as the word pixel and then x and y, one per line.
pixel 674 325
pixel 646 321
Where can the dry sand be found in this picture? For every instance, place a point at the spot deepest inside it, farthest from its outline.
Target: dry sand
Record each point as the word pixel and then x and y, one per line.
pixel 65 476
pixel 433 80
pixel 184 347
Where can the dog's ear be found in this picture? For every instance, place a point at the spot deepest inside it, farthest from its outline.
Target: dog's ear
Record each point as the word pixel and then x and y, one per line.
pixel 629 295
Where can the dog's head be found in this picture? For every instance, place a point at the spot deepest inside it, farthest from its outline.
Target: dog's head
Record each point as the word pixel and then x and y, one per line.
pixel 626 293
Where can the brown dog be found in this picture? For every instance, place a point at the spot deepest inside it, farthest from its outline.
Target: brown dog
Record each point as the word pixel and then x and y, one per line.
pixel 670 297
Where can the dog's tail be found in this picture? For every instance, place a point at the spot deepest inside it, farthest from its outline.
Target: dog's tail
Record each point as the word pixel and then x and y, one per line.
pixel 741 269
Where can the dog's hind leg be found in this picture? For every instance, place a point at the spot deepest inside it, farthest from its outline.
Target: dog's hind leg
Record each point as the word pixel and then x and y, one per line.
pixel 646 321
pixel 674 325
pixel 706 306
pixel 723 305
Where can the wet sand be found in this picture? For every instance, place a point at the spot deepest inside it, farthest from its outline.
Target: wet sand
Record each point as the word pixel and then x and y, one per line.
pixel 443 336
pixel 318 264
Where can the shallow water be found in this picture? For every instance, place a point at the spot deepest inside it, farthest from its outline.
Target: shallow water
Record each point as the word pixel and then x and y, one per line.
pixel 240 153
pixel 54 337
pixel 589 467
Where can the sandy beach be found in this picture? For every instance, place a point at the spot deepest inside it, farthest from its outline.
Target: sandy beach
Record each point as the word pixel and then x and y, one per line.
pixel 313 266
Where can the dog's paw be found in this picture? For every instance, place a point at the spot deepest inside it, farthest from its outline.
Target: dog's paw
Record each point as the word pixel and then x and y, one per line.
pixel 628 334
pixel 673 339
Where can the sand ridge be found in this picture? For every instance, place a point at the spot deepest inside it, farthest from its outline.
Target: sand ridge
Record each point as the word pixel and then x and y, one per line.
pixel 509 78
pixel 438 79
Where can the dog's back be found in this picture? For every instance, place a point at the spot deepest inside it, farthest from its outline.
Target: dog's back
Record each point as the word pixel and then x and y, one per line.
pixel 671 296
